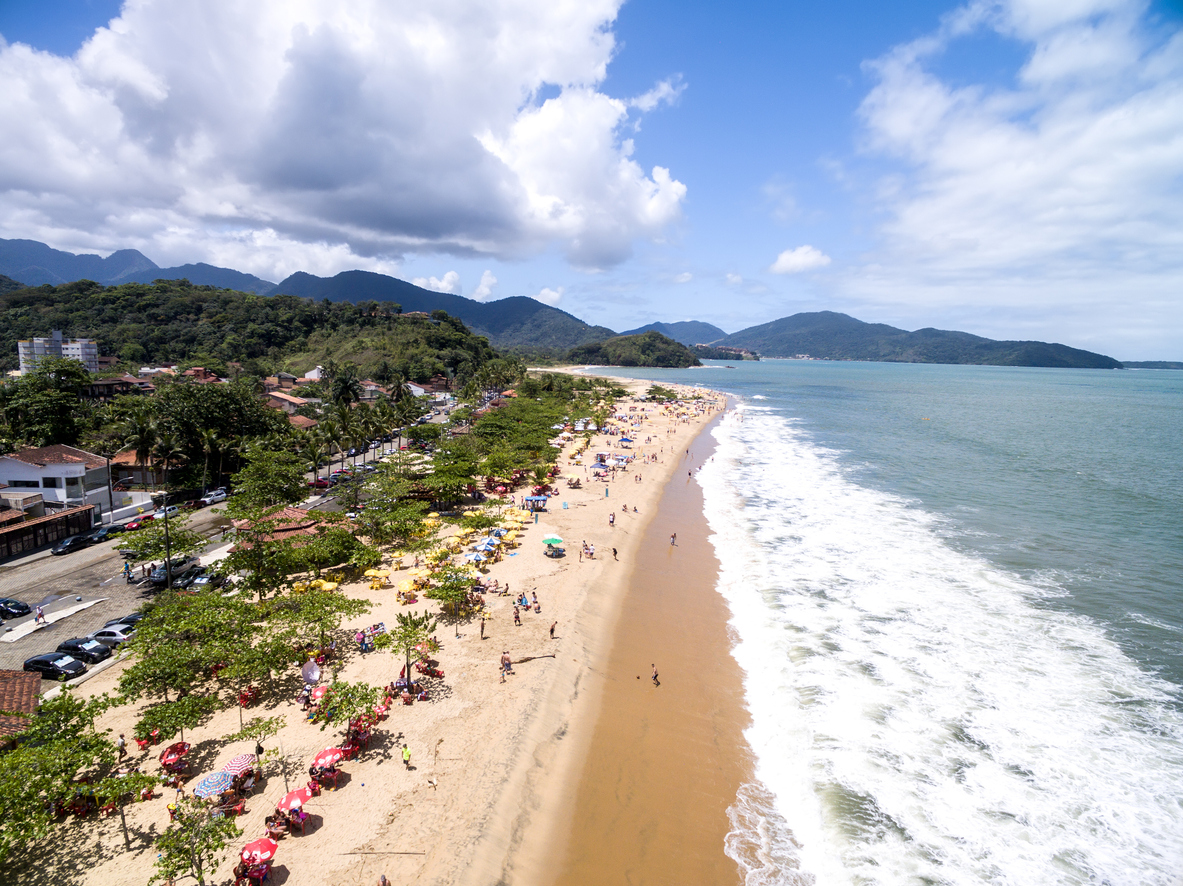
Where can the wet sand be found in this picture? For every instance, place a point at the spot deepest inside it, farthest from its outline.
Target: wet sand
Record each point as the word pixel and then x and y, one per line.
pixel 664 762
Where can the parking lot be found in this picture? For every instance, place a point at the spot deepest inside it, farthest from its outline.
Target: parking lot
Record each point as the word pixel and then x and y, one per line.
pixel 54 582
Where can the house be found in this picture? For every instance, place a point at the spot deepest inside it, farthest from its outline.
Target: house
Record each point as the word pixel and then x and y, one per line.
pixel 202 376
pixel 285 402
pixel 286 523
pixel 108 388
pixel 19 693
pixel 126 471
pixel 302 422
pixel 63 475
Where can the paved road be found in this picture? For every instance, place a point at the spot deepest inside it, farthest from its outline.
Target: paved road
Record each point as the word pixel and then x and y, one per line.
pixel 92 573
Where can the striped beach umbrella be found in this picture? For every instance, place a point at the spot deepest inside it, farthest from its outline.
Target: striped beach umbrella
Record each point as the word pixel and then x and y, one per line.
pixel 241 764
pixel 213 784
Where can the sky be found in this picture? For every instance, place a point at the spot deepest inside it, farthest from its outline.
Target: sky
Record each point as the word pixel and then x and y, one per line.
pixel 1012 169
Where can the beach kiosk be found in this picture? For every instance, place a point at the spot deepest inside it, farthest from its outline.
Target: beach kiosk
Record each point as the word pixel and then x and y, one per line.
pixel 536 502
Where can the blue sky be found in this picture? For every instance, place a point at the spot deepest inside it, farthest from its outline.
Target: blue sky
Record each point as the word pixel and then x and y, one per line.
pixel 1012 169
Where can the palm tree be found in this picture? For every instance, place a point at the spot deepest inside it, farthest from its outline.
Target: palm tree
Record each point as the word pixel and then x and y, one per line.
pixel 208 437
pixel 140 434
pixel 346 386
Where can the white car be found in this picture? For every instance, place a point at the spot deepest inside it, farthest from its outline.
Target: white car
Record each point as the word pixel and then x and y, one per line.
pixel 170 510
pixel 213 497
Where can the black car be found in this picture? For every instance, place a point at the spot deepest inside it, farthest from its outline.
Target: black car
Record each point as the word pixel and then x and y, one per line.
pixel 190 575
pixel 10 608
pixel 73 543
pixel 85 650
pixel 132 620
pixel 104 533
pixel 55 665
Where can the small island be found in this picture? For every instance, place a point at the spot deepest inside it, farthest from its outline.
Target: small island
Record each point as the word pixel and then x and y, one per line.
pixel 647 349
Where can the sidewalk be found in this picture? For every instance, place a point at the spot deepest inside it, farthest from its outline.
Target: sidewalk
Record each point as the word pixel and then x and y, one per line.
pixel 54 612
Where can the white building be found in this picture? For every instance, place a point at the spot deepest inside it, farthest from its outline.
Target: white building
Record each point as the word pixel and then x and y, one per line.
pixel 84 350
pixel 63 475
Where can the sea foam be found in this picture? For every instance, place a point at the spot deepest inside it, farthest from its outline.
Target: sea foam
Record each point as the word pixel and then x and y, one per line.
pixel 917 715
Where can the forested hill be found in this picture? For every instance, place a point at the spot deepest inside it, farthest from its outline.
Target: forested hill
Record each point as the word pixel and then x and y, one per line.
pixel 516 322
pixel 828 335
pixel 646 349
pixel 176 321
pixel 688 332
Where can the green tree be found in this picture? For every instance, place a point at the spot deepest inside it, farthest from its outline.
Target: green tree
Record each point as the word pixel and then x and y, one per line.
pixel 314 613
pixel 193 841
pixel 172 717
pixel 342 702
pixel 268 479
pixel 451 586
pixel 410 630
pixel 158 539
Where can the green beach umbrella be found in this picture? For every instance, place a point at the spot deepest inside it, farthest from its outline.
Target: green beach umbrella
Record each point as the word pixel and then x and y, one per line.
pixel 552 540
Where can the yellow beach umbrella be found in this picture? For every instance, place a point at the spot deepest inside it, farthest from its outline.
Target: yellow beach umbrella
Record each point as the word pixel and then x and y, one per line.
pixel 328 585
pixel 382 573
pixel 434 514
pixel 406 585
pixel 371 573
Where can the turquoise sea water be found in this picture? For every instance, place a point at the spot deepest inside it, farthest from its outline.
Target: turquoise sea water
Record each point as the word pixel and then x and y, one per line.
pixel 957 594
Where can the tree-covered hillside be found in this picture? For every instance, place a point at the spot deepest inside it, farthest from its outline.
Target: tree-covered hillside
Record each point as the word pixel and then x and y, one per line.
pixel 832 336
pixel 646 349
pixel 175 321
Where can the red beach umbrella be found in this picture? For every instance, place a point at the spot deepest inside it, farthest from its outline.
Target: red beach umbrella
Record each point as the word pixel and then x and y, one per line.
pixel 328 757
pixel 174 752
pixel 318 692
pixel 240 764
pixel 260 850
pixel 294 800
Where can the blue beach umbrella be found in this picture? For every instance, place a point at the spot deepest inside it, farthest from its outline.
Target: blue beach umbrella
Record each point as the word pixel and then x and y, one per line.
pixel 213 784
pixel 475 558
pixel 485 546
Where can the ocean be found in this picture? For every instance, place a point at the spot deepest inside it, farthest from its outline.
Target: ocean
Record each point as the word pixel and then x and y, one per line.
pixel 956 595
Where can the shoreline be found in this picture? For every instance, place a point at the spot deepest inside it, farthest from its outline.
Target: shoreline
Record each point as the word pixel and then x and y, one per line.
pixel 666 762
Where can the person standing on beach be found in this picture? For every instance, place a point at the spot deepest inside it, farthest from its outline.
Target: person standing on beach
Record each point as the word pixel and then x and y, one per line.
pixel 656 682
pixel 482 627
pixel 517 616
pixel 674 539
pixel 407 752
pixel 553 625
pixel 614 554
pixel 122 745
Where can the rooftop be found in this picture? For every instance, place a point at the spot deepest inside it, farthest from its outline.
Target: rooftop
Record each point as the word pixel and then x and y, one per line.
pixel 58 454
pixel 19 691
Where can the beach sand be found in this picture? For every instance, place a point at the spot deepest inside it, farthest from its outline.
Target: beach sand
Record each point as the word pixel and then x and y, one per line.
pixel 494 765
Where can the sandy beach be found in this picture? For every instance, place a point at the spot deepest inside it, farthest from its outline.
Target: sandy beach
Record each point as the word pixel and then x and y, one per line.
pixel 495 765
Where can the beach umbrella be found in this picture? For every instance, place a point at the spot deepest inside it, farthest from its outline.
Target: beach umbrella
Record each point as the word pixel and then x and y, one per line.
pixel 310 671
pixel 371 573
pixel 319 692
pixel 475 558
pixel 260 850
pixel 406 584
pixel 213 784
pixel 328 757
pixel 241 764
pixel 433 514
pixel 294 800
pixel 552 540
pixel 174 752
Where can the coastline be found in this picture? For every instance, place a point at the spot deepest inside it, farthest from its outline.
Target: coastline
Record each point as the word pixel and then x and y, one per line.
pixel 664 762
pixel 481 802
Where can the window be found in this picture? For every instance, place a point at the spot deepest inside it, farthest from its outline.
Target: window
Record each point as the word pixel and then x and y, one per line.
pixel 51 482
pixel 24 484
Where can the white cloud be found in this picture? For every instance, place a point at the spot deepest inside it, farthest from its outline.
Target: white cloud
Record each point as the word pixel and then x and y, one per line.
pixel 367 131
pixel 803 258
pixel 449 283
pixel 484 289
pixel 734 279
pixel 684 277
pixel 667 92
pixel 1062 191
pixel 550 296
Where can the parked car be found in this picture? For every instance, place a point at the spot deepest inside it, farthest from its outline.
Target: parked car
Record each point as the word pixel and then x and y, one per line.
pixel 209 580
pixel 178 565
pixel 193 504
pixel 81 648
pixel 167 510
pixel 73 543
pixel 55 665
pixel 320 483
pixel 140 522
pixel 10 608
pixel 104 533
pixel 130 620
pixel 186 578
pixel 214 496
pixel 113 635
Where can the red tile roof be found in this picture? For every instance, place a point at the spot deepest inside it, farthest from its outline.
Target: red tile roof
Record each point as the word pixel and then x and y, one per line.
pixel 58 454
pixel 19 691
pixel 302 421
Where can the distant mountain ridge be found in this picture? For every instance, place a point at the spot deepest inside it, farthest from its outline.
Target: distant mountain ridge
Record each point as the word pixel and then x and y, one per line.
pixel 832 336
pixel 515 322
pixel 687 332
pixel 35 264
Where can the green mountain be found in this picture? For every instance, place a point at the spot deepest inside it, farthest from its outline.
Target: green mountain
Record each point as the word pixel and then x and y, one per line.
pixel 828 335
pixel 646 349
pixel 516 322
pixel 7 284
pixel 688 332
pixel 176 321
